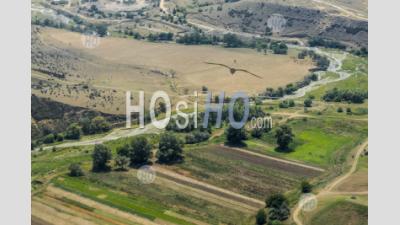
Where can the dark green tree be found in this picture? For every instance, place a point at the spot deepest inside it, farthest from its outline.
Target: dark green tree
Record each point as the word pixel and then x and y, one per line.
pixel 284 137
pixel 306 187
pixel 275 200
pixel 257 132
pixel 308 102
pixel 261 217
pixel 140 151
pixel 73 132
pixel 75 170
pixel 235 136
pixel 101 157
pixel 169 149
pixel 278 207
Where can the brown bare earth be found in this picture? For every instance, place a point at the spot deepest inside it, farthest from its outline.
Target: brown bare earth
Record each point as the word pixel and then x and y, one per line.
pixel 117 65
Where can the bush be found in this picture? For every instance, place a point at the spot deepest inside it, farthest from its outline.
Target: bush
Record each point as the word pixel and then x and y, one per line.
pixel 101 157
pixel 282 213
pixel 48 139
pixel 169 149
pixel 340 110
pixel 122 163
pixel 59 137
pixel 232 41
pixel 75 170
pixel 261 217
pixel 257 132
pixel 73 132
pixel 275 200
pixel 100 125
pixel 306 187
pixel 196 137
pixel 278 207
pixel 308 102
pixel 279 48
pixel 97 125
pixel 348 111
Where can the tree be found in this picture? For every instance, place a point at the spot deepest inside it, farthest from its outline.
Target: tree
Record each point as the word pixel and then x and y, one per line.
pixel 204 89
pixel 306 187
pixel 261 217
pixel 73 132
pixel 308 102
pixel 99 125
pixel 278 207
pixel 291 103
pixel 75 170
pixel 122 163
pixel 140 151
pixel 197 137
pixel 169 149
pixel 284 137
pixel 101 157
pixel 232 41
pixel 275 200
pixel 257 132
pixel 282 213
pixel 235 136
pixel 348 111
pixel 124 150
pixel 48 139
pixel 101 30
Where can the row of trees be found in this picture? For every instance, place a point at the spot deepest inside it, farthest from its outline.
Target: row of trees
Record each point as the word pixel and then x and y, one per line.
pixel 135 154
pixel 352 96
pixel 322 62
pixel 87 126
pixel 290 88
pixel 318 41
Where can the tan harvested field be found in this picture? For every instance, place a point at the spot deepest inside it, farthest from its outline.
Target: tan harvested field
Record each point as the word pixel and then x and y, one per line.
pixel 117 65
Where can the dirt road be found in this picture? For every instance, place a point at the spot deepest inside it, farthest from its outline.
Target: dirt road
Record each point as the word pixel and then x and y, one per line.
pixel 328 188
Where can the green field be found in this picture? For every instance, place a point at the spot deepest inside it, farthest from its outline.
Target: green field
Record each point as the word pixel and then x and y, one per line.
pixel 341 212
pixel 322 142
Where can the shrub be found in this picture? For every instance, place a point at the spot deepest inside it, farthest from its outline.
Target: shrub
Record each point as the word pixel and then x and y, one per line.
pixel 306 187
pixel 75 170
pixel 122 163
pixel 261 217
pixel 49 139
pixel 196 137
pixel 73 132
pixel 257 132
pixel 308 102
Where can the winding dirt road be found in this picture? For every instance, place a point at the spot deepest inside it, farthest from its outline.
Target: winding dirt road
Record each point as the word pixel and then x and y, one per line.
pixel 328 188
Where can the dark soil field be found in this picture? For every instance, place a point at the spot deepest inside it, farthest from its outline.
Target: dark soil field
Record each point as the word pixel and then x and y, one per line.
pixel 239 172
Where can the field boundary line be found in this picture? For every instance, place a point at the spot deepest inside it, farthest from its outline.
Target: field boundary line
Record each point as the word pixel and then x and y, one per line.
pixel 275 158
pixel 185 179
